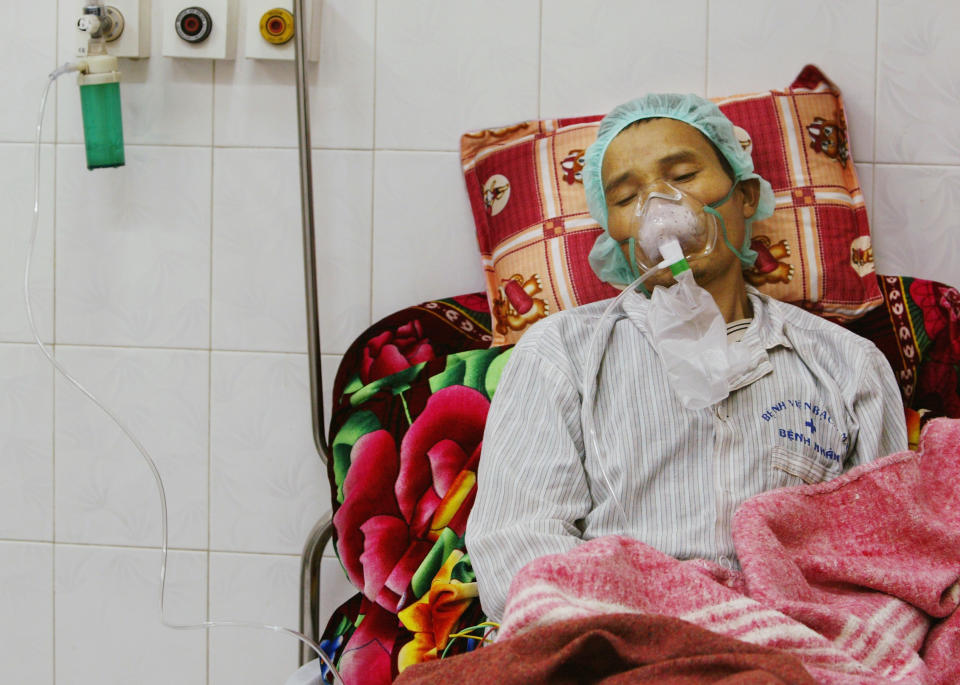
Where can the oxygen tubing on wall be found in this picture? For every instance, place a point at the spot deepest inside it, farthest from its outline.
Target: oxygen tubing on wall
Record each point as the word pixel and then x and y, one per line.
pixel 102 124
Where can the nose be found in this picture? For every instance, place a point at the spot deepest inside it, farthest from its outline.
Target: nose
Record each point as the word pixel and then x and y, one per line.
pixel 659 189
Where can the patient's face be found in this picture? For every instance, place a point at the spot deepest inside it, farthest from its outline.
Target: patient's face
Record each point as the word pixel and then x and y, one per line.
pixel 645 156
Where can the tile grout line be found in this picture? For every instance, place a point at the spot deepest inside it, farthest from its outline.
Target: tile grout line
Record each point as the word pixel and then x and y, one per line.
pixel 277 148
pixel 540 60
pixel 435 151
pixel 147 548
pixel 706 53
pixel 213 109
pixel 153 348
pixel 53 375
pixel 871 216
pixel 373 170
pixel 26 541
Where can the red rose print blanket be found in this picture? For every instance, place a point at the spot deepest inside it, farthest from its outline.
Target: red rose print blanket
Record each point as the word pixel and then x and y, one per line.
pixel 856 577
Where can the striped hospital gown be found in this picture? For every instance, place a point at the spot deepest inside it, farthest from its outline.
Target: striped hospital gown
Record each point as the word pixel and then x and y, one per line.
pixel 816 401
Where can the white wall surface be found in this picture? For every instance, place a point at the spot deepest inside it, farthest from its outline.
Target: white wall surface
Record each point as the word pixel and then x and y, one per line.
pixel 172 287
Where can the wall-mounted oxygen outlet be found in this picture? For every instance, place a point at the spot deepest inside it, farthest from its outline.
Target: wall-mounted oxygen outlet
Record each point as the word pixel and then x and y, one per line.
pixel 203 29
pixel 123 25
pixel 115 24
pixel 269 28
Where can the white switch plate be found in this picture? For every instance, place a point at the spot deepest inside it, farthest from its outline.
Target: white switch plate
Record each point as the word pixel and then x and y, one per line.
pixel 258 48
pixel 221 42
pixel 135 39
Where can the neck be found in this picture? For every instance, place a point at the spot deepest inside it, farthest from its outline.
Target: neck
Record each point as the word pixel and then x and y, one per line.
pixel 730 294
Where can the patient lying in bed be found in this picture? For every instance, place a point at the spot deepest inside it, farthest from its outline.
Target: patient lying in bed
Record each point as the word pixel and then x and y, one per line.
pixel 814 401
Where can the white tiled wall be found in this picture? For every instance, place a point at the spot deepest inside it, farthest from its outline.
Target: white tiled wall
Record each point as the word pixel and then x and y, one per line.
pixel 172 286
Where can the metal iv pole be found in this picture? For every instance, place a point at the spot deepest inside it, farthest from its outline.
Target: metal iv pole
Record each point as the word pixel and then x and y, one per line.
pixel 323 529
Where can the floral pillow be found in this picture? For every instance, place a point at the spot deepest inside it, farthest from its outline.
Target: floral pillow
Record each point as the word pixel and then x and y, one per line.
pixel 534 230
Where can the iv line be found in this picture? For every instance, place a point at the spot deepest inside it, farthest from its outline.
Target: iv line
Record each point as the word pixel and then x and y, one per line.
pixel 205 625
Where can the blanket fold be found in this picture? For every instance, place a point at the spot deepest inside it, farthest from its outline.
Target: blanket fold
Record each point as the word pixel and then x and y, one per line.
pixel 615 649
pixel 859 577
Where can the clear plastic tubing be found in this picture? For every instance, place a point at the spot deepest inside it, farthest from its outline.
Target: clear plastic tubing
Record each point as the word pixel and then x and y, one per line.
pixel 595 351
pixel 66 68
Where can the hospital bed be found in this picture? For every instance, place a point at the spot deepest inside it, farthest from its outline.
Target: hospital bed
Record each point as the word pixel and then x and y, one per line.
pixel 411 394
pixel 457 330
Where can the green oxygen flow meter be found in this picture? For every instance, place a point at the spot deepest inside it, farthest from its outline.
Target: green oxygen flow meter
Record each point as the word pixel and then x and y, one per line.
pixel 99 82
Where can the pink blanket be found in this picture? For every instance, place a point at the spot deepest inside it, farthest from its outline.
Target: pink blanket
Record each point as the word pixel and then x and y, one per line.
pixel 858 577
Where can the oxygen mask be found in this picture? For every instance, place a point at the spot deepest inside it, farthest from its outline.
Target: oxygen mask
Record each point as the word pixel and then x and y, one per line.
pixel 670 214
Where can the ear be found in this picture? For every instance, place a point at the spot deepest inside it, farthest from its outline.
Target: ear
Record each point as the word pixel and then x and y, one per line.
pixel 750 190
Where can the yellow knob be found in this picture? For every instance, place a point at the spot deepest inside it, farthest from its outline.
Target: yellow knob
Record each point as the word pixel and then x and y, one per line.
pixel 276 26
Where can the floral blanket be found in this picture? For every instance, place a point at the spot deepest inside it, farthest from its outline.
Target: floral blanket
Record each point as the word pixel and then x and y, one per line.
pixel 858 577
pixel 409 407
pixel 918 330
pixel 412 401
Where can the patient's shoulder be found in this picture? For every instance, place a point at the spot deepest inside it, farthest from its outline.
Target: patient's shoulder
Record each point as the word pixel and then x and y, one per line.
pixel 821 337
pixel 562 339
pixel 569 328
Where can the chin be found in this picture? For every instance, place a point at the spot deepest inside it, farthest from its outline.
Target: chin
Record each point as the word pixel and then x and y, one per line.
pixel 715 267
pixel 702 273
pixel 664 278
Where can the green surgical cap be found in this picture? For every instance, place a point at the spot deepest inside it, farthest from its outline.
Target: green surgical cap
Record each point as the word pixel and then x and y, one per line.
pixel 606 257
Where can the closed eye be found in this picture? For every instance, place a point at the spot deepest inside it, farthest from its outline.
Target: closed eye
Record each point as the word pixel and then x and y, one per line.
pixel 625 201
